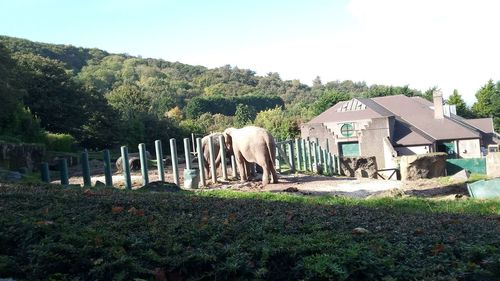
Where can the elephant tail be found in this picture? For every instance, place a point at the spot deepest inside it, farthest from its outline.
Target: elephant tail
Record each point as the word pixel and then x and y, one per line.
pixel 271 147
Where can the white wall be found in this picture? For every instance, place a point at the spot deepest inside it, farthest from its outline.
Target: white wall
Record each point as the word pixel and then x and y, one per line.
pixel 411 150
pixel 469 148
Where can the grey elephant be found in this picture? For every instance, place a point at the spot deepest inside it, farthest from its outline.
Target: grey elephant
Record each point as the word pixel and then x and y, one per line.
pixel 206 152
pixel 252 145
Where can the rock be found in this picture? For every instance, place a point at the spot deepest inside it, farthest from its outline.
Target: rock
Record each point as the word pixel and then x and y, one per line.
pixel 13 176
pixel 99 184
pixel 463 175
pixel 134 161
pixel 359 167
pixel 360 231
pixel 422 166
pixel 160 186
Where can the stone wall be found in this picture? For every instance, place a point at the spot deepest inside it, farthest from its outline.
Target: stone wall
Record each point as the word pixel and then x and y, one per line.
pixel 359 167
pixel 21 156
pixel 313 131
pixel 423 166
pixel 493 164
pixel 372 138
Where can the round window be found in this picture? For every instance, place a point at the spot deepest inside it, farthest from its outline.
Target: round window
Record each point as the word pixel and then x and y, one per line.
pixel 347 130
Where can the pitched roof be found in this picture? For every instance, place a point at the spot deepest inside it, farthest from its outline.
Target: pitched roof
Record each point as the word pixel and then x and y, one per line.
pixel 420 116
pixel 355 109
pixel 405 135
pixel 483 124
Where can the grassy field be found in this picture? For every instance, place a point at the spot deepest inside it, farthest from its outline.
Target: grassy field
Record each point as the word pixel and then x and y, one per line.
pixel 49 232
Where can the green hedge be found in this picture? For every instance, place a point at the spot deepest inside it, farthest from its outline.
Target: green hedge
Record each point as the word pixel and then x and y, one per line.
pixel 227 105
pixel 60 142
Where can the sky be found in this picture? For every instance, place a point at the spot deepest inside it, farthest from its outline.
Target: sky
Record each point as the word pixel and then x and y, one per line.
pixel 420 43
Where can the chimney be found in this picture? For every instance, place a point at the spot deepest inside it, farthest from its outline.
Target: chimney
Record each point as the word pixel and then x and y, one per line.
pixel 438 104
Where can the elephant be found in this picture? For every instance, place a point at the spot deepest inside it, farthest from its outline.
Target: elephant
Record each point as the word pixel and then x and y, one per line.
pixel 206 153
pixel 252 144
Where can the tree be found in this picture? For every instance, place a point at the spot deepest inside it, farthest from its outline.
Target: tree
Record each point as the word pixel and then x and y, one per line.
pixel 327 100
pixel 488 102
pixel 278 123
pixel 462 109
pixel 51 94
pixel 244 115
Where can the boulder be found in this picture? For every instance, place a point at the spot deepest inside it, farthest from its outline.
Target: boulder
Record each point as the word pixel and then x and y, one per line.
pixel 359 167
pixel 134 161
pixel 463 175
pixel 423 166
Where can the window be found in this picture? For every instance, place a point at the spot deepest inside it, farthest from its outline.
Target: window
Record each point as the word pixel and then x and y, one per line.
pixel 347 130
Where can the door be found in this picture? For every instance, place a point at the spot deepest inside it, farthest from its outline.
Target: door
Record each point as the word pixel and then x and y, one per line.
pixel 349 149
pixel 447 147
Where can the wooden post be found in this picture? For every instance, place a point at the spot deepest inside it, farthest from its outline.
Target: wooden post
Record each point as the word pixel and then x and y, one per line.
pixel 233 167
pixel 304 154
pixel 107 168
pixel 291 156
pixel 201 161
pixel 278 164
pixel 298 154
pixel 222 152
pixel 187 153
pixel 193 141
pixel 63 169
pixel 144 164
pixel 86 169
pixel 44 169
pixel 126 168
pixel 326 166
pixel 339 169
pixel 213 169
pixel 159 160
pixel 309 156
pixel 175 161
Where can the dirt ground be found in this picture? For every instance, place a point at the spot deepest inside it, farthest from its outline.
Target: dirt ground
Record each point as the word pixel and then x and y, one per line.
pixel 302 184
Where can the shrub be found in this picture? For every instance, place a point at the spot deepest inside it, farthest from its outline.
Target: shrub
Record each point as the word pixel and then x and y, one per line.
pixel 60 142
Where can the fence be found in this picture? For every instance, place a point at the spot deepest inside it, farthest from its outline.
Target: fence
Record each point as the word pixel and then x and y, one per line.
pixel 472 165
pixel 296 155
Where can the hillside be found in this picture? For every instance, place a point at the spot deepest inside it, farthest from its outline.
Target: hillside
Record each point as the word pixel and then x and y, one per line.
pixel 84 92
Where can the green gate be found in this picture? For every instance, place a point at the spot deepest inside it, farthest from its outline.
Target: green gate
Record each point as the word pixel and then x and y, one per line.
pixel 473 165
pixel 349 149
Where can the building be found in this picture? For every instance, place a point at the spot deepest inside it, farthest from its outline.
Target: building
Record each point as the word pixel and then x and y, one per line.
pixel 391 126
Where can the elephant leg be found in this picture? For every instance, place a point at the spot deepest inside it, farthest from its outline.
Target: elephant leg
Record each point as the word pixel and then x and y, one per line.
pixel 273 171
pixel 240 162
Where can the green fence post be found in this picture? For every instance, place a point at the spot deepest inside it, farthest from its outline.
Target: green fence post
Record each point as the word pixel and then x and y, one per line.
pixel 309 156
pixel 304 158
pixel 291 156
pixel 144 164
pixel 86 169
pixel 126 168
pixel 63 169
pixel 339 169
pixel 213 169
pixel 107 168
pixel 278 164
pixel 201 161
pixel 44 170
pixel 298 154
pixel 222 152
pixel 175 161
pixel 233 167
pixel 326 166
pixel 159 160
pixel 187 153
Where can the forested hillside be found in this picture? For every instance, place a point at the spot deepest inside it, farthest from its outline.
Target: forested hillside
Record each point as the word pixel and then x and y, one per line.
pixel 104 100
